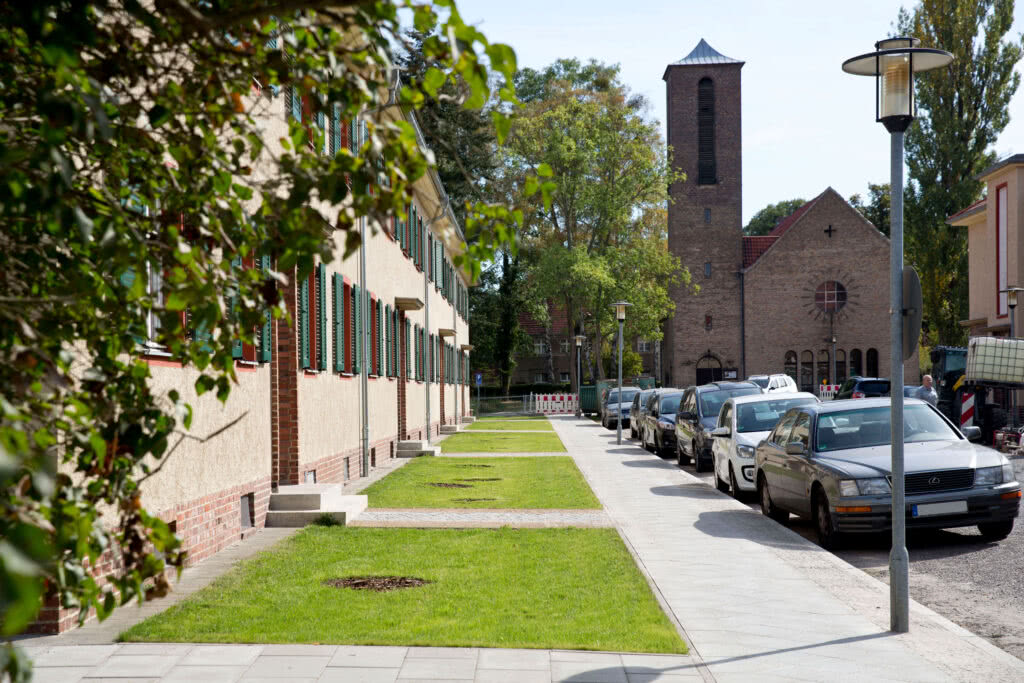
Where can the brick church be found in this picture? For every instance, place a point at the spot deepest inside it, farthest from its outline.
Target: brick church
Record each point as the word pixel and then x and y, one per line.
pixel 813 291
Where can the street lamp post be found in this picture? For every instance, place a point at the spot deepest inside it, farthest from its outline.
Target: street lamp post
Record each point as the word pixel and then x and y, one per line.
pixel 620 315
pixel 579 374
pixel 893 64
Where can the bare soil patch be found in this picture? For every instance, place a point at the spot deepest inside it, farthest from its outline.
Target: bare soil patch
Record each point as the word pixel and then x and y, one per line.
pixel 481 479
pixel 381 584
pixel 474 465
pixel 449 485
pixel 471 500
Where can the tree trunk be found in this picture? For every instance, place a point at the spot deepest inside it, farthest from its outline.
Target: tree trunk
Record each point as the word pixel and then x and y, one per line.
pixel 551 352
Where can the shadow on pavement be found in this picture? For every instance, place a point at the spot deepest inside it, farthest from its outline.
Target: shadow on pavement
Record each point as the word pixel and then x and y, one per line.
pixel 699 490
pixel 751 526
pixel 648 462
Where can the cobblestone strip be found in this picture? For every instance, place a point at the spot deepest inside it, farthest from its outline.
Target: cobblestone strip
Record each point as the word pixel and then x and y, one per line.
pixel 460 518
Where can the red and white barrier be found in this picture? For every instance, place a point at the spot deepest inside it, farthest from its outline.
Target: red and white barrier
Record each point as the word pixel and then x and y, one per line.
pixel 554 404
pixel 966 409
pixel 827 392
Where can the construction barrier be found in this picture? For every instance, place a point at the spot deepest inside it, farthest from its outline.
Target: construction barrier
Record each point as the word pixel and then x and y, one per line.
pixel 554 404
pixel 827 392
pixel 966 409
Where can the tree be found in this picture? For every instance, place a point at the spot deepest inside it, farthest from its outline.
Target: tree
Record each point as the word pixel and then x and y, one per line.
pixel 494 309
pixel 961 111
pixel 582 123
pixel 876 209
pixel 765 220
pixel 133 143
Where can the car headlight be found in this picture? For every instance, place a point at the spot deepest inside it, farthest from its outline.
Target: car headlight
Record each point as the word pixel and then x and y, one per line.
pixel 876 486
pixel 987 476
pixel 1008 474
pixel 848 487
pixel 745 451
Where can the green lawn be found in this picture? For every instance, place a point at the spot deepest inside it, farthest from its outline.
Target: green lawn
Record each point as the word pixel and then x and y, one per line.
pixel 575 589
pixel 482 442
pixel 504 418
pixel 512 425
pixel 553 482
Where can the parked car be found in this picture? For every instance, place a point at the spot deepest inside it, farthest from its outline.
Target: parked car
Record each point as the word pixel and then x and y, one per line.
pixel 637 411
pixel 863 387
pixel 742 423
pixel 771 384
pixel 831 462
pixel 616 407
pixel 697 416
pixel 909 390
pixel 658 431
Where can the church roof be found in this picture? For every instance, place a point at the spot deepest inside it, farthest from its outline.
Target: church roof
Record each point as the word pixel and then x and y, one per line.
pixel 705 54
pixel 754 246
pixel 787 222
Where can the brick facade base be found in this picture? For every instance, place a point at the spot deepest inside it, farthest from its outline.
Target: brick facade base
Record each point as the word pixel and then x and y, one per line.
pixel 205 525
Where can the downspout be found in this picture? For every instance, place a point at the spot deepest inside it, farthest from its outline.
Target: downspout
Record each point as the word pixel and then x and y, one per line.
pixel 426 323
pixel 455 352
pixel 743 328
pixel 364 371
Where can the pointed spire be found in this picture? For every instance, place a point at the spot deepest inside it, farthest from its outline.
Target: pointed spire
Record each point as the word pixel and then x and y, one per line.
pixel 705 54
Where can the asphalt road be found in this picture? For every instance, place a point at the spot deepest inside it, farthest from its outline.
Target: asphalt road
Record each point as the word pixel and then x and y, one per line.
pixel 976 584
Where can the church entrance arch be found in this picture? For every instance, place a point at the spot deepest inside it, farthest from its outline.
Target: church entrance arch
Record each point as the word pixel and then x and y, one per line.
pixel 709 369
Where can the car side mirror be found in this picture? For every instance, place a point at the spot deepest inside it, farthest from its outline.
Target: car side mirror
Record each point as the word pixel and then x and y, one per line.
pixel 796 449
pixel 972 433
pixel 721 431
pixel 686 415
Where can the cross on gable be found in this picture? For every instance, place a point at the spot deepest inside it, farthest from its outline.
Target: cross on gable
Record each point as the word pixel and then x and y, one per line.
pixel 828 231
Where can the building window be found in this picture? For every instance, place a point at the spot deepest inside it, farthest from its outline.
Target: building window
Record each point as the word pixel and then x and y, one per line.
pixel 707 215
pixel 872 362
pixel 1001 250
pixel 539 378
pixel 707 323
pixel 564 377
pixel 856 367
pixel 840 366
pixel 789 365
pixel 540 347
pixel 706 171
pixel 644 346
pixel 830 296
pixel 564 346
pixel 824 376
pixel 707 269
pixel 807 371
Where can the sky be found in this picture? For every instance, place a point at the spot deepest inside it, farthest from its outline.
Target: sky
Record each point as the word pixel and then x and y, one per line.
pixel 807 125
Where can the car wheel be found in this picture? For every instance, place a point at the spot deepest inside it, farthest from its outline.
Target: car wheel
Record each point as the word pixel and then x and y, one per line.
pixel 828 537
pixel 698 460
pixel 719 482
pixel 657 446
pixel 995 531
pixel 734 487
pixel 768 508
pixel 679 454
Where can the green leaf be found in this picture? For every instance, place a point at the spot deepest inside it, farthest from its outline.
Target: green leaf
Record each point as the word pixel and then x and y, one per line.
pixel 159 115
pixel 433 79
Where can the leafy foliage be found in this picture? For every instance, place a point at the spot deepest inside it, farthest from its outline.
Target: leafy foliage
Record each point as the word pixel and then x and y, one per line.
pixel 961 111
pixel 765 220
pixel 135 143
pixel 876 209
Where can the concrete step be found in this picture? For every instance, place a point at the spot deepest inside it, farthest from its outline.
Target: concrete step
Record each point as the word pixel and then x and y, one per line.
pixel 428 450
pixel 451 429
pixel 468 418
pixel 410 445
pixel 297 506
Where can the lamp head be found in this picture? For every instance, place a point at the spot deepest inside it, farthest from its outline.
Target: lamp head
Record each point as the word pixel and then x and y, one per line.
pixel 580 339
pixel 620 309
pixel 893 64
pixel 1011 295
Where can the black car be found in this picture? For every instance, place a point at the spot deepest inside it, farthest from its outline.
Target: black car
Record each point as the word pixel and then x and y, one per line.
pixel 697 415
pixel 863 387
pixel 636 413
pixel 659 428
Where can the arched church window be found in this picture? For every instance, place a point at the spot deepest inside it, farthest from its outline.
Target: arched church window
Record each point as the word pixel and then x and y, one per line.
pixel 789 366
pixel 856 368
pixel 707 174
pixel 872 362
pixel 840 366
pixel 807 371
pixel 824 361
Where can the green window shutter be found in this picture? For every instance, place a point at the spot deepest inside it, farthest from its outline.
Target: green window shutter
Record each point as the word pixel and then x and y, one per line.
pixel 358 328
pixel 353 134
pixel 321 316
pixel 293 103
pixel 350 330
pixel 236 344
pixel 408 350
pixel 339 322
pixel 266 330
pixel 336 129
pixel 304 353
pixel 387 340
pixel 380 338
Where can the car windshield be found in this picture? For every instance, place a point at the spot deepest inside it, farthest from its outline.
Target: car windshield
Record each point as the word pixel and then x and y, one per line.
pixel 670 404
pixel 871 427
pixel 877 387
pixel 627 396
pixel 762 415
pixel 711 401
pixel 760 381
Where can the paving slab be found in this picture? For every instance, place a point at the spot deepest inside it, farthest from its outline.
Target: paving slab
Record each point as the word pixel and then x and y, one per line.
pixel 755 600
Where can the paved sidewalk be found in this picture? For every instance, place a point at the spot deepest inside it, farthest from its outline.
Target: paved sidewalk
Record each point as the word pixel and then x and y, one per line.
pixel 462 518
pixel 152 662
pixel 756 600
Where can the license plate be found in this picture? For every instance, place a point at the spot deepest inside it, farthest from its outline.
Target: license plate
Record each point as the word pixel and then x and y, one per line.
pixel 950 508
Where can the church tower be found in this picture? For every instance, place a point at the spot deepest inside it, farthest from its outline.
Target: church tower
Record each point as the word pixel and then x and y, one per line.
pixel 703 336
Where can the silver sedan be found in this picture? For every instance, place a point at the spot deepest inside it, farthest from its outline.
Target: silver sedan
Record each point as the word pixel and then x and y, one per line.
pixel 831 462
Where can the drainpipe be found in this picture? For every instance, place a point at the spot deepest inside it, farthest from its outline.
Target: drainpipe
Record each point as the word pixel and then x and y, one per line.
pixel 426 320
pixel 455 344
pixel 743 328
pixel 364 371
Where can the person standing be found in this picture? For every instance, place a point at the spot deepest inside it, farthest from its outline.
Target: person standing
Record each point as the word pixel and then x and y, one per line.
pixel 925 392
